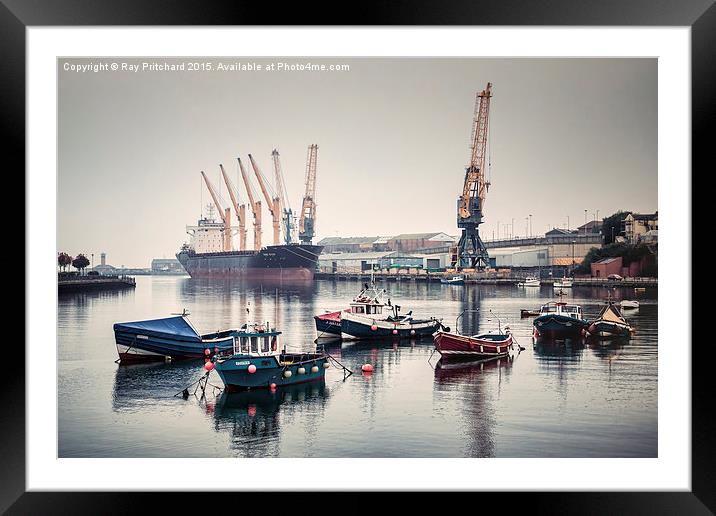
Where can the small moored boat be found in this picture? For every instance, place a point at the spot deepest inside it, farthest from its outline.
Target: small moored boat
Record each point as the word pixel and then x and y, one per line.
pixel 560 320
pixel 454 280
pixel 529 281
pixel 624 303
pixel 365 319
pixel 563 283
pixel 255 362
pixel 170 338
pixel 453 345
pixel 609 323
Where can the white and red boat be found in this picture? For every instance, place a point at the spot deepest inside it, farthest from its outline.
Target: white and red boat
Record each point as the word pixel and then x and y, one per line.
pixel 475 347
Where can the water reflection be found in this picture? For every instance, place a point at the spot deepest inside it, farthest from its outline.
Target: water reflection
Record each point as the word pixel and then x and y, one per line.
pixel 453 372
pixel 140 386
pixel 253 419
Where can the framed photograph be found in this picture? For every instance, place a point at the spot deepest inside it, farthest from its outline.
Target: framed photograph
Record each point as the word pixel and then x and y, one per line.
pixel 418 253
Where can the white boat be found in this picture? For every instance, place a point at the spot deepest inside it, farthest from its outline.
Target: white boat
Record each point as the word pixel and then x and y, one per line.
pixel 628 304
pixel 529 281
pixel 455 280
pixel 563 283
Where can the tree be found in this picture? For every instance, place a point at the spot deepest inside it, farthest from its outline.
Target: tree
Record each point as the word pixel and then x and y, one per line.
pixel 64 260
pixel 613 226
pixel 80 262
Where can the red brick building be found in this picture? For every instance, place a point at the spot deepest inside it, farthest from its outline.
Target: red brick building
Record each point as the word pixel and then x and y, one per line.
pixel 603 268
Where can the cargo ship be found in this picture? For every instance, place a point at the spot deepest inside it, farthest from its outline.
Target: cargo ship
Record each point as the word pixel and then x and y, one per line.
pixel 203 257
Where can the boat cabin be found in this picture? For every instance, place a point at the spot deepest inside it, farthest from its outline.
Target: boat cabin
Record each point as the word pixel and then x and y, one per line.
pixel 573 311
pixel 366 308
pixel 258 340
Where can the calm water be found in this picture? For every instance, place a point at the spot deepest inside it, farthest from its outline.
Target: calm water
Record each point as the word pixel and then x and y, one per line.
pixel 569 399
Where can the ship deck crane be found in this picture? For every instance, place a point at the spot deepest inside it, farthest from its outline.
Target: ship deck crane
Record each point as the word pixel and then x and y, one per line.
pixel 255 207
pixel 285 207
pixel 239 209
pixel 307 222
pixel 470 251
pixel 274 203
pixel 225 214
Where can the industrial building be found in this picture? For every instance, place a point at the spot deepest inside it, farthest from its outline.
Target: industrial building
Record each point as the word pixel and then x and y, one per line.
pixel 167 266
pixel 403 242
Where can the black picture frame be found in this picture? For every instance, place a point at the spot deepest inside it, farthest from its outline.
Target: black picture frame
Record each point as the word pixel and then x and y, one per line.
pixel 700 15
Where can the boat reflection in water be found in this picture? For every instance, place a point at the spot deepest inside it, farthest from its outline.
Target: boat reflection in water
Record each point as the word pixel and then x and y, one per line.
pixel 607 348
pixel 253 418
pixel 470 371
pixel 569 347
pixel 137 386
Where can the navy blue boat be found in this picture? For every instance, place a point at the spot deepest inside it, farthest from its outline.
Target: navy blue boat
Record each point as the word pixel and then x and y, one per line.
pixel 255 362
pixel 171 338
pixel 560 320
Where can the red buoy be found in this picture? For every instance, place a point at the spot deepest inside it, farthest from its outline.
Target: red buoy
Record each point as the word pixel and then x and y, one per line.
pixel 273 386
pixel 209 366
pixel 395 332
pixel 412 332
pixel 374 327
pixel 206 351
pixel 251 369
pixel 367 368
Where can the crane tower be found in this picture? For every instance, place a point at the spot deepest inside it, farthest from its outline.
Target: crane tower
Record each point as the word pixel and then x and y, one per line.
pixel 470 251
pixel 307 221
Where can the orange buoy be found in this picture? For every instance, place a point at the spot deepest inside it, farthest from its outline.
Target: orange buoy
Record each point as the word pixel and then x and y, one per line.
pixel 209 366
pixel 251 369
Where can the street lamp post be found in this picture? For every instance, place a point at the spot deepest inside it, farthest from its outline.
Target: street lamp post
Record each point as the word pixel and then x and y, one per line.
pixel 530 225
pixel 573 242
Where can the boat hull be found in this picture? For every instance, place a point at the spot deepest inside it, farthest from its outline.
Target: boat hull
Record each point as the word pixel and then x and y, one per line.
pixel 329 324
pixel 453 346
pixel 559 326
pixel 608 329
pixel 234 370
pixel 292 262
pixel 137 347
pixel 362 328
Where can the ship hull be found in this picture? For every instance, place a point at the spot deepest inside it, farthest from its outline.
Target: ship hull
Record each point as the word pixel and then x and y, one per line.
pixel 284 263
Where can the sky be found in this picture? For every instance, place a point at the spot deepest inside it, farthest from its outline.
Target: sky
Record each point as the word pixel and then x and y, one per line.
pixel 566 135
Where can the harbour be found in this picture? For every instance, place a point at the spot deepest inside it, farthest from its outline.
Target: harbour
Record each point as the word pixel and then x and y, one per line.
pixel 348 329
pixel 553 399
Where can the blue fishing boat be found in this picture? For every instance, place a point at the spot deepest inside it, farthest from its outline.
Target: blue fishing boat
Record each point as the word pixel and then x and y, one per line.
pixel 255 362
pixel 365 319
pixel 560 320
pixel 170 338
